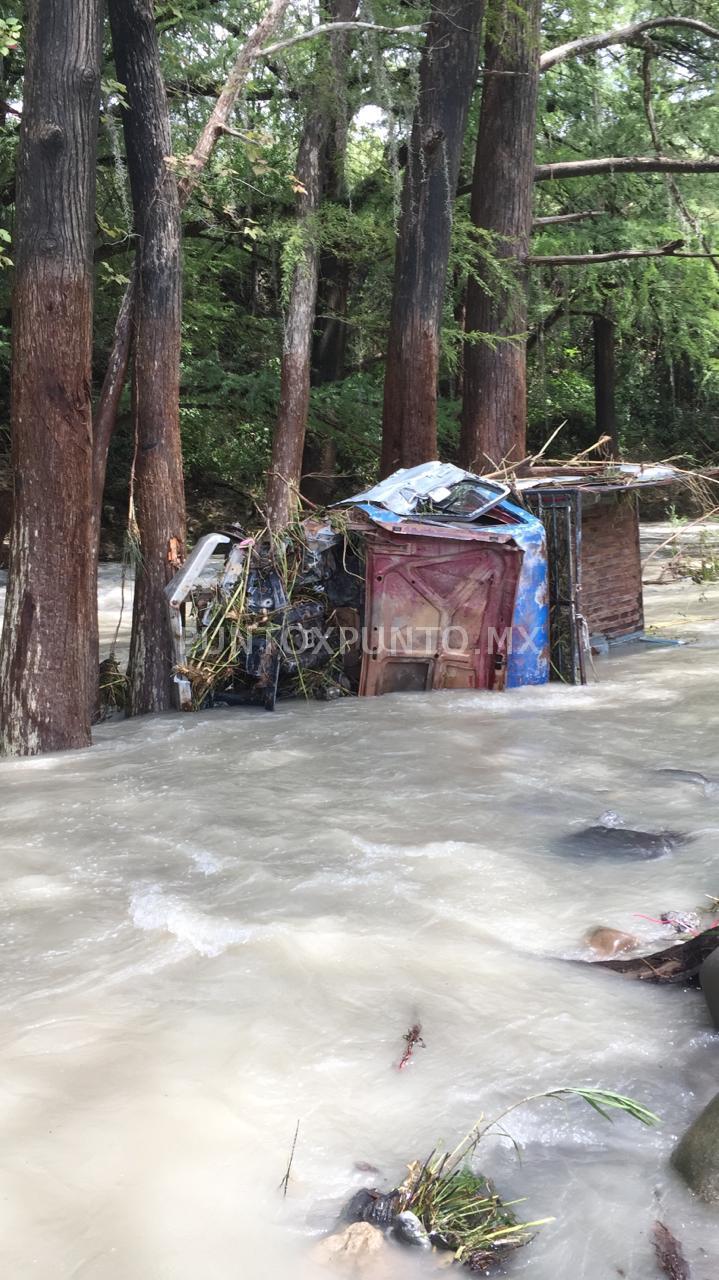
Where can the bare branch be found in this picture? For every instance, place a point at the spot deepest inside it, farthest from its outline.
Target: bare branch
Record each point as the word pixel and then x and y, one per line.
pixel 624 164
pixel 621 35
pixel 672 185
pixel 672 250
pixel 231 90
pixel 559 312
pixel 328 28
pixel 555 218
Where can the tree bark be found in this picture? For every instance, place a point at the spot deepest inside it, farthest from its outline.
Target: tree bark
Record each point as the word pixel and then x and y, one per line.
pixel 157 467
pixel 605 378
pixel 289 435
pixel 216 125
pixel 45 661
pixel 447 76
pixel 494 408
pixel 330 338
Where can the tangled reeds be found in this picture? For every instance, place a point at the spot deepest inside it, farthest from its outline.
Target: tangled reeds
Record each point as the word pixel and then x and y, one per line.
pixel 458 1208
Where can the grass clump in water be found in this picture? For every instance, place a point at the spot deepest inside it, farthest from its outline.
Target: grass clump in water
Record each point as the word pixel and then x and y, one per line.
pixel 461 1210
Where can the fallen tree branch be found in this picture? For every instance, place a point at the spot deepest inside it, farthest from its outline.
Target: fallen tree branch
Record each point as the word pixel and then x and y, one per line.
pixel 677 534
pixel 672 250
pixel 555 218
pixel 678 963
pixel 623 164
pixel 620 35
pixel 616 255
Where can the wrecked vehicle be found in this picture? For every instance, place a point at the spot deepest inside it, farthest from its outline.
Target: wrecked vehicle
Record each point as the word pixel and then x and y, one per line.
pixel 433 579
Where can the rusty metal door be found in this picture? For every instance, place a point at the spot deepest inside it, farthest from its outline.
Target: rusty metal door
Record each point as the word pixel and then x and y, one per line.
pixel 438 613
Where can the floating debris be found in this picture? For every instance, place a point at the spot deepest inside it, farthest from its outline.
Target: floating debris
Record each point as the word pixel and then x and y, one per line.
pixel 445 1204
pixel 669 1253
pixel 412 1038
pixel 679 963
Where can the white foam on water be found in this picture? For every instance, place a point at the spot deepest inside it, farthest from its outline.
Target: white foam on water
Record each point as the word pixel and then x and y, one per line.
pixel 152 909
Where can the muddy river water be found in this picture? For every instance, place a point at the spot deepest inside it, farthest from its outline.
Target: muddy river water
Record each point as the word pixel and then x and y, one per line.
pixel 217 925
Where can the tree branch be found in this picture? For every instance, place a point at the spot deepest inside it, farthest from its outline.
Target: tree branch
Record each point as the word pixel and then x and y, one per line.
pixel 555 218
pixel 621 35
pixel 671 250
pixel 672 186
pixel 328 28
pixel 557 313
pixel 623 164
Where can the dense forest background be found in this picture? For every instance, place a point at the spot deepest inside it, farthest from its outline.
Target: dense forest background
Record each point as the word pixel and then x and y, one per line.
pixel 242 237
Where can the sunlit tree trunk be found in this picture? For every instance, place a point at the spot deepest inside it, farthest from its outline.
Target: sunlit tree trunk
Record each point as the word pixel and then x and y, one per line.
pixel 45 656
pixel 448 72
pixel 158 487
pixel 494 408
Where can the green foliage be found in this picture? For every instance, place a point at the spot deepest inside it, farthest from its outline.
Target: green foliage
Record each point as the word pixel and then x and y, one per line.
pixel 243 242
pixel 10 33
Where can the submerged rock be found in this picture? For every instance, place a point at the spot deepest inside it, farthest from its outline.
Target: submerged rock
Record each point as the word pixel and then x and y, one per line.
pixel 408 1229
pixel 353 1249
pixel 606 942
pixel 697 1156
pixel 692 776
pixel 377 1207
pixel 709 983
pixel 622 842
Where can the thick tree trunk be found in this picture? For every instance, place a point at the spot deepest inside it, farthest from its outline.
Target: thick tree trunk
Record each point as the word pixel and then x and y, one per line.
pixel 283 483
pixel 45 663
pixel 605 378
pixel 330 338
pixel 448 72
pixel 158 480
pixel 494 409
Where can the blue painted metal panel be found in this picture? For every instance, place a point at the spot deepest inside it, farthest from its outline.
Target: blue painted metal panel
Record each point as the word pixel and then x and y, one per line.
pixel 528 662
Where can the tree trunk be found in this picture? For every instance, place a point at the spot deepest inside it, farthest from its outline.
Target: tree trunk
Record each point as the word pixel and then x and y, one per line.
pixel 157 468
pixel 448 72
pixel 494 409
pixel 605 380
pixel 283 484
pixel 45 664
pixel 330 338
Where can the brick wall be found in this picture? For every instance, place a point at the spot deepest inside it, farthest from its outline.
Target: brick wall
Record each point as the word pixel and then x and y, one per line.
pixel 611 567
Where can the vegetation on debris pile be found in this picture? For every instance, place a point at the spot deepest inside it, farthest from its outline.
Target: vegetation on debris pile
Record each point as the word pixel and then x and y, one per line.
pixel 460 1208
pixel 227 625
